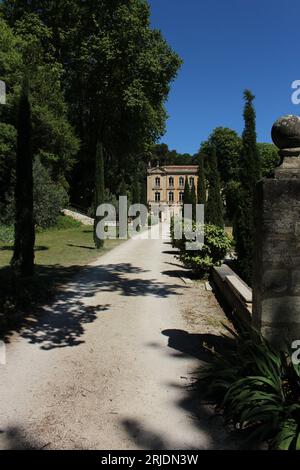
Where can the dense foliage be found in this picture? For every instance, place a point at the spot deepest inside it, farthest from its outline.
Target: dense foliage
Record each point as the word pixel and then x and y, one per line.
pixel 161 154
pixel 250 173
pixel 227 145
pixel 98 72
pixel 202 259
pixel 269 159
pixel 257 388
pixel 22 51
pixel 48 197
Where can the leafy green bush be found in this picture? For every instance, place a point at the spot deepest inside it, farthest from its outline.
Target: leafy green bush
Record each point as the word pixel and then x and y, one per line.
pixel 8 139
pixel 64 222
pixel 212 253
pixel 6 233
pixel 257 388
pixel 49 198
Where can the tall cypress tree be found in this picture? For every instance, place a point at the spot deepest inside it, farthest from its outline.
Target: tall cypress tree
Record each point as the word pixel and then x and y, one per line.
pixel 250 165
pixel 136 195
pixel 23 257
pixel 250 173
pixel 99 189
pixel 187 192
pixel 214 205
pixel 201 188
pixel 193 201
pixel 136 190
pixel 123 188
pixel 144 191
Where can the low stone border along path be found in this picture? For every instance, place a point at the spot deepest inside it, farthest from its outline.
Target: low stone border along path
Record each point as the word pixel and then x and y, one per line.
pixel 109 365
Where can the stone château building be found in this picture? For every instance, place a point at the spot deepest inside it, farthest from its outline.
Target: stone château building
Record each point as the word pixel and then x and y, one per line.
pixel 165 185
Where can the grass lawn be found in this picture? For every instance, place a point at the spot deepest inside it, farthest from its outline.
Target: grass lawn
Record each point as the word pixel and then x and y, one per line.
pixel 59 254
pixel 64 247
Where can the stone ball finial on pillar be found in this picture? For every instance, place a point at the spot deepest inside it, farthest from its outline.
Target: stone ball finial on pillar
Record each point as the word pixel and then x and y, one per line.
pixel 286 136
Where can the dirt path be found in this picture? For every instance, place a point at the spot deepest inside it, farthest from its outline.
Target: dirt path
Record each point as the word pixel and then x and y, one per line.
pixel 109 364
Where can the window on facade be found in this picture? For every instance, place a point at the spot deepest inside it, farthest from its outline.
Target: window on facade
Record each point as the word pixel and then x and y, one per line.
pixel 191 181
pixel 171 182
pixel 171 196
pixel 157 197
pixel 157 182
pixel 181 181
pixel 181 196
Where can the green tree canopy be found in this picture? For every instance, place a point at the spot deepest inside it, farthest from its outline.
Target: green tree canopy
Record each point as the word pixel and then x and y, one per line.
pixel 269 158
pixel 21 51
pixel 162 154
pixel 117 72
pixel 227 145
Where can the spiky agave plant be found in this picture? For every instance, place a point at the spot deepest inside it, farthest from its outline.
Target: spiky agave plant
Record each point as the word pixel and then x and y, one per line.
pixel 256 387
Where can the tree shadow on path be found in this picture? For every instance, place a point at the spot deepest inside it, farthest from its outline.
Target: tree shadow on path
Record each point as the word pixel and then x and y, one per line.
pixel 14 438
pixel 62 323
pixel 202 412
pixel 213 433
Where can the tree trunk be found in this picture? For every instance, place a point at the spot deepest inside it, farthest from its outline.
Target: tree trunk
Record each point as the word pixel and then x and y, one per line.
pixel 23 257
pixel 99 189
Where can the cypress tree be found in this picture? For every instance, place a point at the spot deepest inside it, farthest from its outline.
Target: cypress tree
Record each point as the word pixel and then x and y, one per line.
pixel 99 189
pixel 187 192
pixel 136 195
pixel 136 190
pixel 144 192
pixel 214 205
pixel 23 257
pixel 250 166
pixel 201 188
pixel 250 173
pixel 193 201
pixel 123 188
pixel 144 200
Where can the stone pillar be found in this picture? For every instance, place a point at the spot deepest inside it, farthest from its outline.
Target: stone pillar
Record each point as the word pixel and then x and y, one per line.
pixel 276 289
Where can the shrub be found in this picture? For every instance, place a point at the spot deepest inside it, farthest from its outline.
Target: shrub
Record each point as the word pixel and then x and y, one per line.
pixel 7 209
pixel 212 253
pixel 6 233
pixel 257 388
pixel 49 198
pixel 64 223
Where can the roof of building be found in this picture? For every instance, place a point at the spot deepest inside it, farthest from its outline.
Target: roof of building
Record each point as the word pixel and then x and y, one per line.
pixel 174 169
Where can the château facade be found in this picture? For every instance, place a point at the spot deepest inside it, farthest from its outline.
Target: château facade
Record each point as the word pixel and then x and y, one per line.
pixel 165 185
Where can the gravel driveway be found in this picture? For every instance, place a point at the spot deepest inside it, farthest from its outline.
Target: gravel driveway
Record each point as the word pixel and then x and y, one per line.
pixel 109 364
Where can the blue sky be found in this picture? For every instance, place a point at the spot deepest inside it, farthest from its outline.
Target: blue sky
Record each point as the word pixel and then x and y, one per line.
pixel 227 46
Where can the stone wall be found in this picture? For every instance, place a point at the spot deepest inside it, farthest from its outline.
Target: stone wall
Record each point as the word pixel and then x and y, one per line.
pixel 84 219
